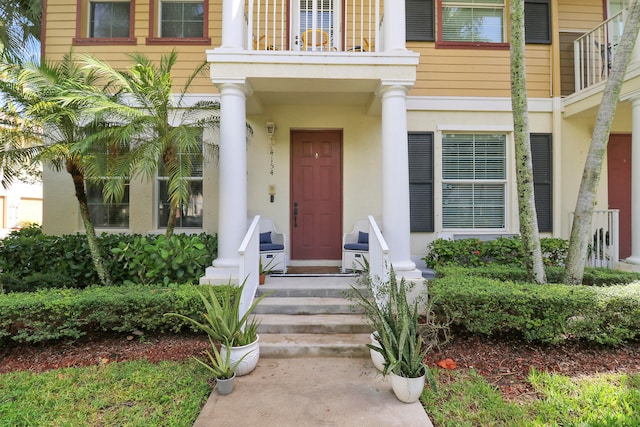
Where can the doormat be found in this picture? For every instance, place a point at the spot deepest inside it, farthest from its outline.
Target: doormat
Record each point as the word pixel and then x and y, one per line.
pixel 313 271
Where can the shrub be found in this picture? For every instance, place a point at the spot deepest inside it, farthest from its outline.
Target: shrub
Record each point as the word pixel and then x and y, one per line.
pixel 152 258
pixel 55 314
pixel 158 259
pixel 592 276
pixel 505 251
pixel 482 302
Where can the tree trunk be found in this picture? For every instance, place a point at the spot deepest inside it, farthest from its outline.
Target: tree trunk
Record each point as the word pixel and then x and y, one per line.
pixel 171 221
pixel 524 168
pixel 581 228
pixel 92 240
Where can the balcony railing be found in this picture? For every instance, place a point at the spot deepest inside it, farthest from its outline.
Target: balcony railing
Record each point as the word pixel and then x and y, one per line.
pixel 604 244
pixel 314 25
pixel 594 52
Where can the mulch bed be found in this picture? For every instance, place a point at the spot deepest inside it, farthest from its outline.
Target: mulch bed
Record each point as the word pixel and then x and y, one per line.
pixel 505 362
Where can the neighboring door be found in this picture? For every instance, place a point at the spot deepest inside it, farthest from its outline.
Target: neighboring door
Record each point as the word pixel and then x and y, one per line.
pixel 316 195
pixel 619 179
pixel 321 15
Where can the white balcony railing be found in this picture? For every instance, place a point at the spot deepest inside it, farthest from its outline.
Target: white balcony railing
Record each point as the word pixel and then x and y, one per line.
pixel 604 245
pixel 594 52
pixel 314 25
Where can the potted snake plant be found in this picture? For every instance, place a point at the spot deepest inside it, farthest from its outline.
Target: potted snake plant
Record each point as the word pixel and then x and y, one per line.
pixel 396 336
pixel 223 324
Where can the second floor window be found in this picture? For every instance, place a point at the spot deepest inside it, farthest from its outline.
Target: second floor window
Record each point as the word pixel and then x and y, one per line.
pixel 109 19
pixel 181 19
pixel 473 21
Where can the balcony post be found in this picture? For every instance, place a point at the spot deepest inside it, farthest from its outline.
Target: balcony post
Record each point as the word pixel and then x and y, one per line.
pixel 232 166
pixel 395 178
pixel 635 181
pixel 394 27
pixel 232 24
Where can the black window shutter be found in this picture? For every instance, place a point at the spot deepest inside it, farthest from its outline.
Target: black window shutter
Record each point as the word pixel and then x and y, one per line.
pixel 419 20
pixel 421 181
pixel 541 158
pixel 537 21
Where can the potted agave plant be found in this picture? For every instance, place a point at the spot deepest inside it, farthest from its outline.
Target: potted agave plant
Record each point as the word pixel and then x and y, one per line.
pixel 397 346
pixel 219 364
pixel 224 324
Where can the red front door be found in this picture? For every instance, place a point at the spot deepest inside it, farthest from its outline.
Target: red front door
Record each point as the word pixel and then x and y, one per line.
pixel 619 179
pixel 316 195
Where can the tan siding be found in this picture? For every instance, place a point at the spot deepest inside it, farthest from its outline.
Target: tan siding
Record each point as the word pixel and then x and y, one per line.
pixel 477 72
pixel 61 29
pixel 579 14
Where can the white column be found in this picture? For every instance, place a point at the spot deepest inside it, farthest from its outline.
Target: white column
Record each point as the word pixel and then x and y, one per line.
pixel 395 179
pixel 394 27
pixel 232 199
pixel 232 24
pixel 635 182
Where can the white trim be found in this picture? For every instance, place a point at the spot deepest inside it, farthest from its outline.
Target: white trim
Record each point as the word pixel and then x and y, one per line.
pixel 474 128
pixel 472 104
pixel 308 58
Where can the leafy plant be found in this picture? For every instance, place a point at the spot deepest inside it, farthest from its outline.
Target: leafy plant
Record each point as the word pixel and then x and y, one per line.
pixel 222 320
pixel 395 323
pixel 266 269
pixel 505 251
pixel 220 366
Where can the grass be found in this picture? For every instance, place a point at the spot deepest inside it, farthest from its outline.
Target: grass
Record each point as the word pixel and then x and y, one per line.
pixel 467 399
pixel 136 393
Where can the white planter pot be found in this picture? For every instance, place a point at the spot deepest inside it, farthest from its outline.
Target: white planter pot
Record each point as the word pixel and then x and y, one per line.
pixel 225 386
pixel 249 363
pixel 407 390
pixel 376 357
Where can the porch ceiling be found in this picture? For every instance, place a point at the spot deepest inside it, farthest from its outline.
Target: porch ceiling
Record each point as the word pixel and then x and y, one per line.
pixel 299 78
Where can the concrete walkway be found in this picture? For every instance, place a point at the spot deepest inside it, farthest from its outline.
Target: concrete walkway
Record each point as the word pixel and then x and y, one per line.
pixel 323 391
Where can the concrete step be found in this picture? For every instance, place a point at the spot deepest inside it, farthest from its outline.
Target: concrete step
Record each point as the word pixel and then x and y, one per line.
pixel 302 287
pixel 312 324
pixel 307 305
pixel 314 345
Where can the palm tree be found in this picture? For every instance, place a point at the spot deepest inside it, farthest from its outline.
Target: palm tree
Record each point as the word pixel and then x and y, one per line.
pixel 164 133
pixel 59 128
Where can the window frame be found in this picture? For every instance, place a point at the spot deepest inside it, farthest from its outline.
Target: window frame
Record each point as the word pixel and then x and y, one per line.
pixel 104 205
pixel 83 19
pixel 441 43
pixel 504 182
pixel 160 202
pixel 155 18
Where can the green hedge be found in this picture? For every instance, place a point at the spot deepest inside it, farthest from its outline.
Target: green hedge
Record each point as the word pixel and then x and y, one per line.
pixel 56 314
pixel 31 260
pixel 506 251
pixel 542 313
pixel 592 276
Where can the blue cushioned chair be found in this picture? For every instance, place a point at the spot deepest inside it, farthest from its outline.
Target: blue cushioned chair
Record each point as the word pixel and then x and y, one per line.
pixel 355 247
pixel 273 250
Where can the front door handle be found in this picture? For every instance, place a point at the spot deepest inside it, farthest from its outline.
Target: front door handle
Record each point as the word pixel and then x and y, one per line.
pixel 295 214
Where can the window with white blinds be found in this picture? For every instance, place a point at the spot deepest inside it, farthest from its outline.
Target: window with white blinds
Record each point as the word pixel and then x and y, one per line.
pixel 477 21
pixel 107 214
pixel 474 181
pixel 189 214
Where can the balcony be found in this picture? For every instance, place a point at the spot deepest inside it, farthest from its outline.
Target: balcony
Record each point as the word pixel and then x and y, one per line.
pixel 331 52
pixel 314 25
pixel 594 52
